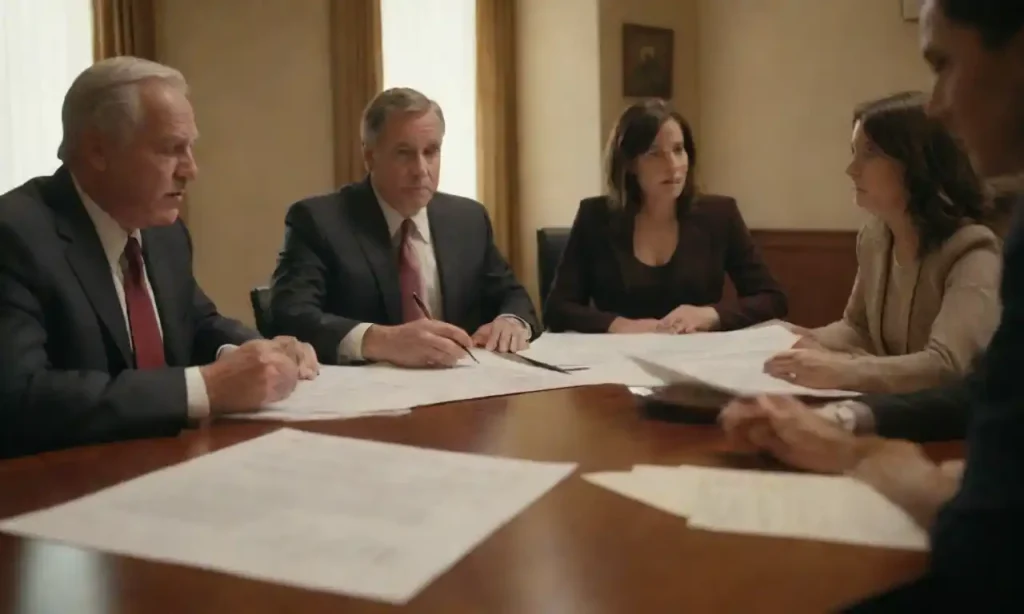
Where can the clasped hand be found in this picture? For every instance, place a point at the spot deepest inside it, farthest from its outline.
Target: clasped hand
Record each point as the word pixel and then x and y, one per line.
pixel 434 344
pixel 257 372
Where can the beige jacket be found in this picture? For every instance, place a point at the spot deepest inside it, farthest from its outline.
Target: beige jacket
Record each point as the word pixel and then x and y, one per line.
pixel 954 311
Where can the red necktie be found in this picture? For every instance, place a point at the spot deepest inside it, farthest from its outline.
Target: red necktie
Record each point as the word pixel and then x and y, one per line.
pixel 145 330
pixel 410 281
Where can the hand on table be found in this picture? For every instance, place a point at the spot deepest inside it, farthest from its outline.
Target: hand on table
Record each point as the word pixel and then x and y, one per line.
pixel 302 353
pixel 791 432
pixel 687 319
pixel 810 368
pixel 627 326
pixel 505 334
pixel 902 472
pixel 417 344
pixel 253 374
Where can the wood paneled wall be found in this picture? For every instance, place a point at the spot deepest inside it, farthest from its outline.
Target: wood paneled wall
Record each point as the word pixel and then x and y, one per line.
pixel 816 269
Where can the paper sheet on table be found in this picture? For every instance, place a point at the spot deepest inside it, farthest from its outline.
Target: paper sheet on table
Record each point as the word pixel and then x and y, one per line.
pixel 577 349
pixel 363 518
pixel 825 508
pixel 741 375
pixel 381 389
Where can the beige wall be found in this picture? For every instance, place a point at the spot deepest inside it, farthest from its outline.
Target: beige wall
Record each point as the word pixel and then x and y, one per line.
pixel 678 15
pixel 260 79
pixel 769 84
pixel 778 82
pixel 559 116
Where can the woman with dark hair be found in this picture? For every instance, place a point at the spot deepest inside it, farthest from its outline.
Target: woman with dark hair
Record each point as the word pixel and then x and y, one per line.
pixel 925 300
pixel 651 255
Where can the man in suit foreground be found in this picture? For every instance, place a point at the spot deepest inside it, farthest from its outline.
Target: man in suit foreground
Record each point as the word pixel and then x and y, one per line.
pixel 104 333
pixel 974 511
pixel 390 269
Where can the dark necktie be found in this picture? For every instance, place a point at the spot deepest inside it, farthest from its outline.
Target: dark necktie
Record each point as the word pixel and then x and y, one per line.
pixel 410 279
pixel 145 330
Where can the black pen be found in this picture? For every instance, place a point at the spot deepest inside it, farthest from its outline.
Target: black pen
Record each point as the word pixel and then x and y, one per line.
pixel 426 312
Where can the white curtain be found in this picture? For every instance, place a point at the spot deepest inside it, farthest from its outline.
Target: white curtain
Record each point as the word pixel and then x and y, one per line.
pixel 430 45
pixel 44 44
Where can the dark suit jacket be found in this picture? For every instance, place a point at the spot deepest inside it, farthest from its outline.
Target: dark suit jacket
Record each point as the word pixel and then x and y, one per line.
pixel 67 372
pixel 932 414
pixel 597 278
pixel 978 536
pixel 338 268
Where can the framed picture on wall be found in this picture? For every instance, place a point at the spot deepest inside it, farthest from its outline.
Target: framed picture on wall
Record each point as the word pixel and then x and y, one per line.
pixel 647 61
pixel 911 9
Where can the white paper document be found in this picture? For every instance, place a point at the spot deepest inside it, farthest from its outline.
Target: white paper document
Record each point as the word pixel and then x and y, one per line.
pixel 577 349
pixel 368 519
pixel 741 375
pixel 381 389
pixel 825 508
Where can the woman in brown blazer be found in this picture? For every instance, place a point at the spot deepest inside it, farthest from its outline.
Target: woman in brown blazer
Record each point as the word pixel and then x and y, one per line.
pixel 925 300
pixel 652 254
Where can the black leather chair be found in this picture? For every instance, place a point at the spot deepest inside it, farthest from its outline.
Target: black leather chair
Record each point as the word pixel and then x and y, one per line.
pixel 260 299
pixel 550 245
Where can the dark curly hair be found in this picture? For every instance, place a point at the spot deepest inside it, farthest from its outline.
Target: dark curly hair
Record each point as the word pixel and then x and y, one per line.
pixel 633 135
pixel 944 192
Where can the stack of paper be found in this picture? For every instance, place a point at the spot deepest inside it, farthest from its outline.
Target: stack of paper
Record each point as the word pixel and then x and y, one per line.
pixel 826 508
pixel 741 375
pixel 363 518
pixel 730 361
pixel 381 389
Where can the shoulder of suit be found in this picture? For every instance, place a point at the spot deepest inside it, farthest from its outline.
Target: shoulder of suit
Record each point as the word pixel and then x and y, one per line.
pixel 968 239
pixel 454 202
pixel 25 207
pixel 873 232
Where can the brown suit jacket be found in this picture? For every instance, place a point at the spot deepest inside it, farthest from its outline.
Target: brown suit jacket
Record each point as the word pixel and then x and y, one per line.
pixel 955 310
pixel 595 281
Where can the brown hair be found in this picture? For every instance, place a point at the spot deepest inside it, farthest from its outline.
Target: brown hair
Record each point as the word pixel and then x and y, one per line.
pixel 943 190
pixel 633 136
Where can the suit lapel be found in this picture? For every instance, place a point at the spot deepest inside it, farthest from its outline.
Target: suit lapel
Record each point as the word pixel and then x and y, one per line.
pixel 161 278
pixel 375 241
pixel 85 255
pixel 876 282
pixel 444 237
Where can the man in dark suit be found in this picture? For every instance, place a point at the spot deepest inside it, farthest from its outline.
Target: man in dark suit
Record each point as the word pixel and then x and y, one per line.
pixel 104 333
pixel 390 269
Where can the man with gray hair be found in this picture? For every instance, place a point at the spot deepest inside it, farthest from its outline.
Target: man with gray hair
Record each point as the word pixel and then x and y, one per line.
pixel 389 269
pixel 105 333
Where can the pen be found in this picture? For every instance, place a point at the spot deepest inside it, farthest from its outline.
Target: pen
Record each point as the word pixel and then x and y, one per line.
pixel 426 312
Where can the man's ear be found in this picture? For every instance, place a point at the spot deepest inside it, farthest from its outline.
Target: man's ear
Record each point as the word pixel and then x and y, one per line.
pixel 95 148
pixel 367 158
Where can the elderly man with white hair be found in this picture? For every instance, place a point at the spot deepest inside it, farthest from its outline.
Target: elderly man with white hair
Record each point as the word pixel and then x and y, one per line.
pixel 104 332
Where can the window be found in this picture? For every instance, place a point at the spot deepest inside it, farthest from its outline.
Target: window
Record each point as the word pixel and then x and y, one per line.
pixel 44 44
pixel 431 47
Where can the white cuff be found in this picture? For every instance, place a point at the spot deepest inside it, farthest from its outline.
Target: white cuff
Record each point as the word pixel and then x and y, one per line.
pixel 195 391
pixel 351 347
pixel 854 416
pixel 195 387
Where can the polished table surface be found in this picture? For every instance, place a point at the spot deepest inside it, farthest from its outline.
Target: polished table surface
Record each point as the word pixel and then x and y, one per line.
pixel 577 549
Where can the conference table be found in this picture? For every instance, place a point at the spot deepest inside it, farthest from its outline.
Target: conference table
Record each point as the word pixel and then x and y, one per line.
pixel 579 548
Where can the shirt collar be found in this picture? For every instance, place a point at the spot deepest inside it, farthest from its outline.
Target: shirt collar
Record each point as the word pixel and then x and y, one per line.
pixel 394 219
pixel 112 237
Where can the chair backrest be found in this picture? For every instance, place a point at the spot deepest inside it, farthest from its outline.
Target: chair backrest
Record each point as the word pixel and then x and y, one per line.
pixel 550 245
pixel 260 299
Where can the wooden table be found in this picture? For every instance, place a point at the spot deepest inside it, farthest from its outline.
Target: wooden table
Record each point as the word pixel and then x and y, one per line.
pixel 578 549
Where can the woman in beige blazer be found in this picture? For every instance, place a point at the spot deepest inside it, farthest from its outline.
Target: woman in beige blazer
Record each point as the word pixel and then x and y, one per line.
pixel 925 300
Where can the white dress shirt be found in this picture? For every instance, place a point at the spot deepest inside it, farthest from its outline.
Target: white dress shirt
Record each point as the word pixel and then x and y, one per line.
pixel 351 347
pixel 113 238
